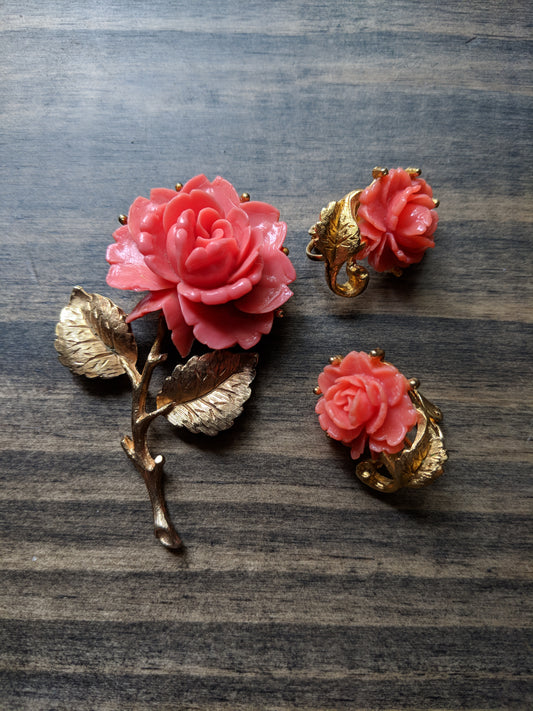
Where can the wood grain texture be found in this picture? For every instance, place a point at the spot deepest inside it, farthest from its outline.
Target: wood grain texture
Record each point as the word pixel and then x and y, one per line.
pixel 299 588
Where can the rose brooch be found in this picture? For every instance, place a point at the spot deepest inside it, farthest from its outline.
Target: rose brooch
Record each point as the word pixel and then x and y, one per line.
pixel 369 406
pixel 214 265
pixel 390 223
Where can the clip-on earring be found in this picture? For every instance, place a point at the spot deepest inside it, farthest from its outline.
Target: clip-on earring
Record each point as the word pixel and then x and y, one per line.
pixel 390 223
pixel 368 405
pixel 214 264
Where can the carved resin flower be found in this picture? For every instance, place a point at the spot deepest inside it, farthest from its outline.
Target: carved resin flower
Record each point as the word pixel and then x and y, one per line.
pixel 212 263
pixel 397 220
pixel 365 401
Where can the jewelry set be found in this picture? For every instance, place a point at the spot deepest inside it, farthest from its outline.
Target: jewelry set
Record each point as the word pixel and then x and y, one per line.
pixel 215 268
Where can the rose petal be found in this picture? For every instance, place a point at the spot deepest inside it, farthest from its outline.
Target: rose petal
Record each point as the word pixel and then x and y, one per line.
pixel 182 334
pixel 328 377
pixel 272 291
pixel 241 228
pixel 362 408
pixel 180 240
pixel 136 214
pixel 368 231
pixel 338 401
pixel 424 200
pixel 265 217
pixel 358 446
pixel 374 213
pixel 396 205
pixel 342 435
pixel 224 193
pixel 129 271
pixel 199 182
pixel 159 264
pixel 378 396
pixel 145 216
pixel 162 195
pixel 387 256
pixel 397 180
pixel 424 188
pixel 220 295
pixel 221 190
pixel 355 363
pixel 224 326
pixel 205 221
pixel 211 266
pixel 414 220
pixel 195 201
pixel 390 437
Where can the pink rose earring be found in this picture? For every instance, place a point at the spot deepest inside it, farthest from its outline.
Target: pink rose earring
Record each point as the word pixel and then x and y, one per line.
pixel 214 265
pixel 368 405
pixel 390 223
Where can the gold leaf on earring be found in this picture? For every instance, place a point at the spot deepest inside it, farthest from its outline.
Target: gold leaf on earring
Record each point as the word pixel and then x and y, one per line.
pixel 209 391
pixel 337 235
pixel 336 239
pixel 93 338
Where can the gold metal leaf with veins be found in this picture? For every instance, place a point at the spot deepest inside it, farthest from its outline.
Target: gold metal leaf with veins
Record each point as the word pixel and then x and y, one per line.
pixel 93 338
pixel 337 233
pixel 209 391
pixel 336 239
pixel 416 465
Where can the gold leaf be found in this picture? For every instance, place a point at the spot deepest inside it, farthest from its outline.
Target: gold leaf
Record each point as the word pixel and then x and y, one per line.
pixel 93 338
pixel 337 233
pixel 209 391
pixel 430 467
pixel 336 239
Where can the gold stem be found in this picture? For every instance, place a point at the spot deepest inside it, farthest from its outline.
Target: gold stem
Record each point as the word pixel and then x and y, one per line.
pixel 136 446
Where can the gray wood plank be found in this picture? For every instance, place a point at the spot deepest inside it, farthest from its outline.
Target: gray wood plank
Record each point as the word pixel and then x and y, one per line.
pixel 298 588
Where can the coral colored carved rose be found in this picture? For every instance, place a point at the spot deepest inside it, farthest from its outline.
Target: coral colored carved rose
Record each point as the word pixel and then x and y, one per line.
pixel 214 265
pixel 365 400
pixel 397 220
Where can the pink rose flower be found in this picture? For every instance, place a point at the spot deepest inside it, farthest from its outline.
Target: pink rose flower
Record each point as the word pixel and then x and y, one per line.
pixel 397 220
pixel 365 400
pixel 214 265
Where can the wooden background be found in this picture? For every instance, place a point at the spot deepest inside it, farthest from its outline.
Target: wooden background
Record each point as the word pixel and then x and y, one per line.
pixel 299 587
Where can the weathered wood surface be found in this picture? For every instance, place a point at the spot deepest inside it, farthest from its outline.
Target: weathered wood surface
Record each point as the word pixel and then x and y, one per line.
pixel 299 588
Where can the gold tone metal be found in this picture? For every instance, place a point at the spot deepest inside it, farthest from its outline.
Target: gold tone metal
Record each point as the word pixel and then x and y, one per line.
pixel 123 219
pixel 136 446
pixel 419 463
pixel 336 239
pixel 178 187
pixel 93 338
pixel 279 313
pixel 208 392
pixel 285 251
pixel 245 197
pixel 377 353
pixel 204 395
pixel 379 172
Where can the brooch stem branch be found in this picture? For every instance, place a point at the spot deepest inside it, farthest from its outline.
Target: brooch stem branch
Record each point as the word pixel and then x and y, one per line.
pixel 205 395
pixel 136 446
